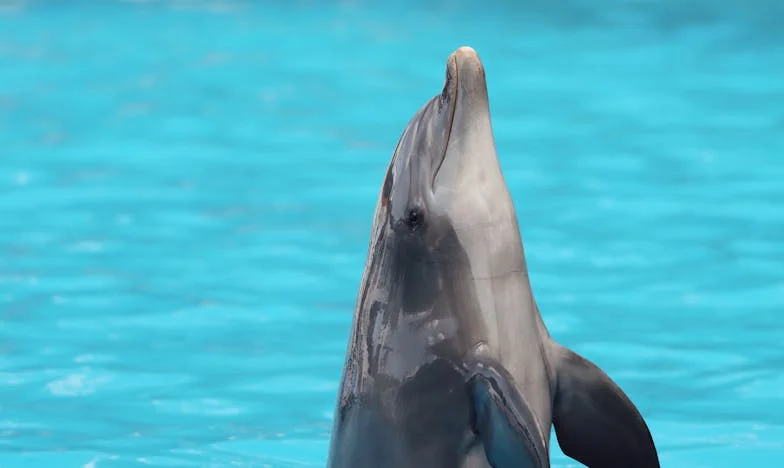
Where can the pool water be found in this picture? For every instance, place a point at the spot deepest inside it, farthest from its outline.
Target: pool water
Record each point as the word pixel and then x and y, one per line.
pixel 186 192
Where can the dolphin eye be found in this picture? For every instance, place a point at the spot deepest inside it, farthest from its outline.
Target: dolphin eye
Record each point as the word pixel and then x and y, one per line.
pixel 414 219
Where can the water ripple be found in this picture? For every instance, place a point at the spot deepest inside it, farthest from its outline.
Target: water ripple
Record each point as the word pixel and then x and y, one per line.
pixel 186 192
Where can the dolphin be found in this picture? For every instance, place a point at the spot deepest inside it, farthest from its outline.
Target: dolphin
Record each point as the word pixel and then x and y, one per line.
pixel 449 363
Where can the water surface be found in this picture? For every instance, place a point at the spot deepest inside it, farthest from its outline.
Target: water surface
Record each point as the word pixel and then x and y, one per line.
pixel 186 191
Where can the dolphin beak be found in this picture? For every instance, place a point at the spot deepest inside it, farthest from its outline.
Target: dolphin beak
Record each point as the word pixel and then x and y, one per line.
pixel 465 64
pixel 465 93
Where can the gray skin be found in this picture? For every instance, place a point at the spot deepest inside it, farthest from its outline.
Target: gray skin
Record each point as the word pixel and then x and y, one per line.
pixel 449 363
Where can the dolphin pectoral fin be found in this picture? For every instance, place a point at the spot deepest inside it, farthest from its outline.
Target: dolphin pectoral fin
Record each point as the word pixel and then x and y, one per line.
pixel 595 422
pixel 503 421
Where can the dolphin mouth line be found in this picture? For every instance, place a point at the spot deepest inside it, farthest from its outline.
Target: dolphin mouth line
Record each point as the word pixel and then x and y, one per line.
pixel 451 123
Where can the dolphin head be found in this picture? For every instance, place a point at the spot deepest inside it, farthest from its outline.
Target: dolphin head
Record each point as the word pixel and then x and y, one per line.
pixel 445 219
pixel 444 190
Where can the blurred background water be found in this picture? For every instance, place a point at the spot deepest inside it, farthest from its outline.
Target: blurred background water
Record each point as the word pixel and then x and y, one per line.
pixel 186 191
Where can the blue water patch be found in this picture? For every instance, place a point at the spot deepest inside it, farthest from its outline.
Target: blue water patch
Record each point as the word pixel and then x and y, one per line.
pixel 186 192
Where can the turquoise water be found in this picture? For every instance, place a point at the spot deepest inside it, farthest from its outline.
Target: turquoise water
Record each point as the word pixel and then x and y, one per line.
pixel 186 191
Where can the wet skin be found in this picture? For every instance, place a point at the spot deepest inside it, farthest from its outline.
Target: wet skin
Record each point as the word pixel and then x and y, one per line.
pixel 449 363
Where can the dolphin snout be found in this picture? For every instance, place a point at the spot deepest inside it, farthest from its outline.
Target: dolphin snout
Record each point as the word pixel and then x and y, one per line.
pixel 463 54
pixel 469 73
